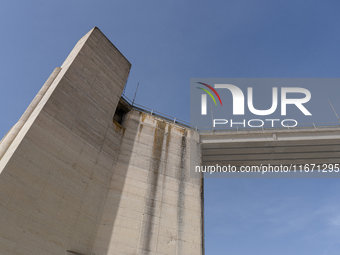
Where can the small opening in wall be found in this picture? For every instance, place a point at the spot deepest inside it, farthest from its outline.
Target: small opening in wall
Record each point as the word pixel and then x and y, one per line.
pixel 121 110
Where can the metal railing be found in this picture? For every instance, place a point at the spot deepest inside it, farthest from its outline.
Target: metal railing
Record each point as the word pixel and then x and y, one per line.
pixel 311 126
pixel 159 114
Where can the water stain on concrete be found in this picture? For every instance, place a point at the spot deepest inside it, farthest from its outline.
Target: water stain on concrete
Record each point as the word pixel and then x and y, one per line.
pixel 181 176
pixel 140 130
pixel 143 116
pixel 153 180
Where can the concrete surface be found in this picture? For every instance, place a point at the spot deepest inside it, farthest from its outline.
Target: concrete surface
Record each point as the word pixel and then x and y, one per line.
pixel 74 181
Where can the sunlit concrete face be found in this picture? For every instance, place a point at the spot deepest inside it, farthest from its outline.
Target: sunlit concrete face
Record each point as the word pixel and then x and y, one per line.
pixel 73 180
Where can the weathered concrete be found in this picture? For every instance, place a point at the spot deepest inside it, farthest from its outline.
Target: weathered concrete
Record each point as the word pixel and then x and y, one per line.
pixel 75 181
pixel 160 206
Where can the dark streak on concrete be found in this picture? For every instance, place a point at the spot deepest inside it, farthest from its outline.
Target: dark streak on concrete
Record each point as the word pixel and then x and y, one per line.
pixel 143 116
pixel 181 190
pixel 150 208
pixel 168 137
pixel 167 145
pixel 140 130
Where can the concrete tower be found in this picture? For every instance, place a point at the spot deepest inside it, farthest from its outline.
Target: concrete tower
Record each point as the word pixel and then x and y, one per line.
pixel 84 172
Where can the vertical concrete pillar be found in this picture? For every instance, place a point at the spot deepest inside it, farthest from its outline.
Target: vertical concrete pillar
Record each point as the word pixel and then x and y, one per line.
pixel 56 172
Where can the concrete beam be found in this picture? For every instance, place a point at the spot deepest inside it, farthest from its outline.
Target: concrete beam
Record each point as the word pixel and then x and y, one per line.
pixel 303 146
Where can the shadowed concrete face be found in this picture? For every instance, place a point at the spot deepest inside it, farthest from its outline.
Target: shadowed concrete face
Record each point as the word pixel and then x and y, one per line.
pixel 56 171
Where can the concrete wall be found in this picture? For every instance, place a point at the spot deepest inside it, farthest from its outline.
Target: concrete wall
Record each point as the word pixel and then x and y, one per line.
pixel 73 179
pixel 153 206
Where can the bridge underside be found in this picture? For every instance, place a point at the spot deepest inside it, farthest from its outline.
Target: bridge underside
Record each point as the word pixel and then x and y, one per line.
pixel 275 147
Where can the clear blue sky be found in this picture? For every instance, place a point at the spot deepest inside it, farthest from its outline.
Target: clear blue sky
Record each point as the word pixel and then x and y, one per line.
pixel 169 42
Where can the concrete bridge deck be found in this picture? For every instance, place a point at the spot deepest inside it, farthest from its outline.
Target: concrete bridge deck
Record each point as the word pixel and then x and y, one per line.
pixel 295 146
